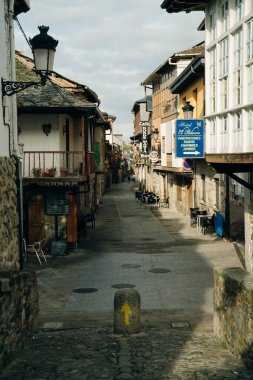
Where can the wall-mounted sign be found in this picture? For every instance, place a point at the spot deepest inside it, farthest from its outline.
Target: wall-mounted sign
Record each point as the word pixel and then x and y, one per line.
pixel 153 156
pixel 190 138
pixel 144 139
pixel 57 202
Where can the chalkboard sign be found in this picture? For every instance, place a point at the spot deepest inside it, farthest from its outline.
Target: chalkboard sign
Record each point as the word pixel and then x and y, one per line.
pixel 57 202
pixel 58 248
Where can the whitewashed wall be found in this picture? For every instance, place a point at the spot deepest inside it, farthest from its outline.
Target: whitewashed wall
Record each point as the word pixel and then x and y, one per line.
pixel 34 139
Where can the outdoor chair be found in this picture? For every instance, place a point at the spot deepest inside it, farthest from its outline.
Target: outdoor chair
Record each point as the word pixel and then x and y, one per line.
pixel 207 223
pixel 35 248
pixel 193 218
pixel 90 218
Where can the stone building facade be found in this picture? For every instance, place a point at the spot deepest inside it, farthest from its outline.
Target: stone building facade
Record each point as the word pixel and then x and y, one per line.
pixel 9 233
pixel 18 289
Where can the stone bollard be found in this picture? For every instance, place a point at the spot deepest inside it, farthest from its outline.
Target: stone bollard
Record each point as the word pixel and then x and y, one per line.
pixel 127 304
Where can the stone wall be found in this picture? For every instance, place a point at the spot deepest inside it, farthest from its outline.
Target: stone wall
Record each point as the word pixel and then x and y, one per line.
pixel 19 308
pixel 9 249
pixel 233 311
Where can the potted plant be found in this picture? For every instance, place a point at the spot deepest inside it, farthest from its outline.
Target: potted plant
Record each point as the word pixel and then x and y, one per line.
pixel 36 172
pixel 49 172
pixel 64 172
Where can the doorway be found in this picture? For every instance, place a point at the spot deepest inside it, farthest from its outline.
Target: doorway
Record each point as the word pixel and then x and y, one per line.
pixel 36 221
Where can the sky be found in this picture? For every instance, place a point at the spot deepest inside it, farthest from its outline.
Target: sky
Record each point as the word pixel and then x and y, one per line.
pixel 111 45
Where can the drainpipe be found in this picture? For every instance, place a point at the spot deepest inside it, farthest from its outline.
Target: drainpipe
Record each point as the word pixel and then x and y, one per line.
pixel 19 209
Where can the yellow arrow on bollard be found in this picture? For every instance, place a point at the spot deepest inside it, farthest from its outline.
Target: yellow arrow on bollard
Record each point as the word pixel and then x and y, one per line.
pixel 127 311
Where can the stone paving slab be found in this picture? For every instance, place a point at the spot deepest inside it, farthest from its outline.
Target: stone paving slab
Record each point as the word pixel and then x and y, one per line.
pixel 96 353
pixel 84 346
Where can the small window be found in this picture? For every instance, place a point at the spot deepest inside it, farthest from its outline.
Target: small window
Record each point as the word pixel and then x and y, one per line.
pixel 239 10
pixel 225 15
pixel 250 40
pixel 163 144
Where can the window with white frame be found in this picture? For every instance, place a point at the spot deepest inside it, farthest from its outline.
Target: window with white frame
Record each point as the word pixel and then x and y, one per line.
pixel 224 57
pixel 250 82
pixel 225 16
pixel 224 93
pixel 224 133
pixel 237 130
pixel 224 73
pixel 239 10
pixel 238 67
pixel 212 124
pixel 212 23
pixel 212 72
pixel 250 40
pixel 224 124
pixel 237 122
pixel 250 127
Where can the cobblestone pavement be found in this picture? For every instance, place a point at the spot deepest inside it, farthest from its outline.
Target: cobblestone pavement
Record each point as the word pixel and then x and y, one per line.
pixel 76 339
pixel 96 353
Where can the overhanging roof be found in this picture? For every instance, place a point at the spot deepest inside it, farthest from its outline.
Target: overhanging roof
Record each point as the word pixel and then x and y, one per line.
pixel 173 6
pixel 51 98
pixel 192 52
pixel 24 70
pixel 195 69
pixel 137 104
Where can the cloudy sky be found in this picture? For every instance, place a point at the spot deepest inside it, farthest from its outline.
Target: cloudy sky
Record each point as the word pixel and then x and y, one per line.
pixel 111 45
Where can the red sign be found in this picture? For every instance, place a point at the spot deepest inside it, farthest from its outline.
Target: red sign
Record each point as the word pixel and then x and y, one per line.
pixel 188 164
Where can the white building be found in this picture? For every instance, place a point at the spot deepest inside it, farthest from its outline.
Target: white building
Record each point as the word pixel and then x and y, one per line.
pixel 229 95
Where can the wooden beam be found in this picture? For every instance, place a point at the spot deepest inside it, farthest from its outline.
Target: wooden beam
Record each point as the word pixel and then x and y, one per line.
pixel 241 181
pixel 229 158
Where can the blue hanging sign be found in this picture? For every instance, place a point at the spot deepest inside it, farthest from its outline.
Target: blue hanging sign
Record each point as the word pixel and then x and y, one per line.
pixel 190 138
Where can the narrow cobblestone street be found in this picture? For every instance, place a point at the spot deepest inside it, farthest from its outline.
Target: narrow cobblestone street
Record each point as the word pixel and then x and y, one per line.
pixel 169 263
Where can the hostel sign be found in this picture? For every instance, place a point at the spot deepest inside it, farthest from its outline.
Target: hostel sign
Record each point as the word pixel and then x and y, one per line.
pixel 144 126
pixel 190 138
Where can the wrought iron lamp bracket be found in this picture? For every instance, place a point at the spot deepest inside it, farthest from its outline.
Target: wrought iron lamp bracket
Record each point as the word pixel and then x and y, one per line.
pixel 10 88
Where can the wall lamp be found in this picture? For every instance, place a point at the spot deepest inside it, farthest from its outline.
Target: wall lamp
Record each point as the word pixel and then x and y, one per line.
pixel 43 47
pixel 188 111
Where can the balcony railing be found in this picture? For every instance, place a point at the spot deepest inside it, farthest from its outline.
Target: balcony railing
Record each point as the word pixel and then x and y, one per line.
pixel 53 164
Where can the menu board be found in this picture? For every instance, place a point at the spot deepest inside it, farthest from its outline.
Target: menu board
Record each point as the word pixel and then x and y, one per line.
pixel 57 202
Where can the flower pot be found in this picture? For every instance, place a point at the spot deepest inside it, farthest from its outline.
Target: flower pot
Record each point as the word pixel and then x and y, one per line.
pixel 64 172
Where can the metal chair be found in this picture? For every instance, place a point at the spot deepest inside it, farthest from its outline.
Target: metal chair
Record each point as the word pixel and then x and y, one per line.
pixel 35 248
pixel 193 217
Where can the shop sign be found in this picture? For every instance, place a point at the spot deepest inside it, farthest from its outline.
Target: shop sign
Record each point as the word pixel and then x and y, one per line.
pixel 144 139
pixel 190 138
pixel 153 156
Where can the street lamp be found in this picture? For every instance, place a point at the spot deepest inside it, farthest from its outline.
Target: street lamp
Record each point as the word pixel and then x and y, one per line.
pixel 43 47
pixel 188 110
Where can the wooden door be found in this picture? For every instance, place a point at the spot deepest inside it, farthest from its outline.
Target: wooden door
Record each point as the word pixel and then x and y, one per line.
pixel 72 220
pixel 36 221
